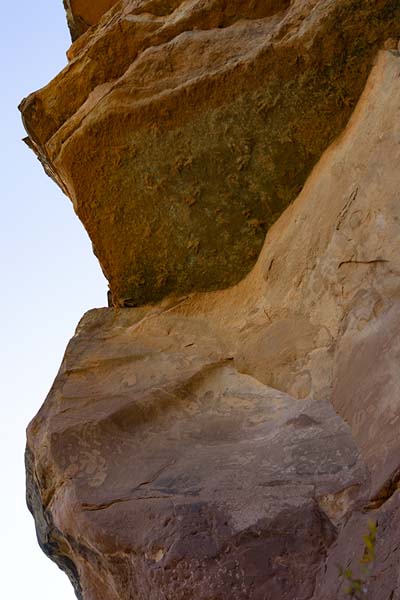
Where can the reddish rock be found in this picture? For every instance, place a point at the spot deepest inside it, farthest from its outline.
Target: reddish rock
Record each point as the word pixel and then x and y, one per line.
pixel 232 445
pixel 184 478
pixel 181 130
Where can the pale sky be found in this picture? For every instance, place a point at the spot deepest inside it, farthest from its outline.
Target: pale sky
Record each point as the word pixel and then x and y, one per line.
pixel 49 279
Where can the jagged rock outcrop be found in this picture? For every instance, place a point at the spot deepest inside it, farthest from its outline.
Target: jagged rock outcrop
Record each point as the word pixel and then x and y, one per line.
pixel 232 445
pixel 181 130
pixel 82 14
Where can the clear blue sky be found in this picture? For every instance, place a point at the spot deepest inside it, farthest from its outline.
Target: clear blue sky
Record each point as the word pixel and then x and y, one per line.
pixel 49 279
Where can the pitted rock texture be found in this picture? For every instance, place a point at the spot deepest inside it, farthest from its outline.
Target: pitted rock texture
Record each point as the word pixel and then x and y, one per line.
pixel 181 130
pixel 234 444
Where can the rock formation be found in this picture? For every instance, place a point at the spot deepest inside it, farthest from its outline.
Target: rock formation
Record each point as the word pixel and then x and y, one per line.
pixel 82 14
pixel 227 444
pixel 182 130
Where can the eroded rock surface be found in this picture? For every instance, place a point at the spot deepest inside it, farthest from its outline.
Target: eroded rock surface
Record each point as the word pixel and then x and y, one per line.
pixel 181 130
pixel 234 444
pixel 184 477
pixel 82 14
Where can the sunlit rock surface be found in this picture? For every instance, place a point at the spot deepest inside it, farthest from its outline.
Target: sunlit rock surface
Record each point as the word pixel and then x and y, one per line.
pixel 181 130
pixel 234 444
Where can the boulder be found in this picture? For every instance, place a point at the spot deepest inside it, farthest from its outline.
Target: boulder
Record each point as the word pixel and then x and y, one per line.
pixel 181 130
pixel 234 444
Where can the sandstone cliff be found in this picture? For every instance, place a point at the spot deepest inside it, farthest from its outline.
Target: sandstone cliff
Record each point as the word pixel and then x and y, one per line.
pixel 182 130
pixel 227 444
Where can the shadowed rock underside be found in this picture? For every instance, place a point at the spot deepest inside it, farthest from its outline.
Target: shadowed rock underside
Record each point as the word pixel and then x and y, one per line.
pixel 181 130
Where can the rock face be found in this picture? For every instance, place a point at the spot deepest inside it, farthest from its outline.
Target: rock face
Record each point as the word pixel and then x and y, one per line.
pixel 233 444
pixel 82 14
pixel 181 130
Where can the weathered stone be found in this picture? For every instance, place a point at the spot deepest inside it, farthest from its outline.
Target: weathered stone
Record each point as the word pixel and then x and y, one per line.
pixel 348 551
pixel 191 449
pixel 82 14
pixel 180 475
pixel 182 129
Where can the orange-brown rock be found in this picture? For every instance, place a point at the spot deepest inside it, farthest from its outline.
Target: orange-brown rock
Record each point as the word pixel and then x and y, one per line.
pixel 82 14
pixel 182 129
pixel 234 444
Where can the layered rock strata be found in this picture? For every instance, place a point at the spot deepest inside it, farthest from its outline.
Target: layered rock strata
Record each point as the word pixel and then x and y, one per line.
pixel 182 129
pixel 234 444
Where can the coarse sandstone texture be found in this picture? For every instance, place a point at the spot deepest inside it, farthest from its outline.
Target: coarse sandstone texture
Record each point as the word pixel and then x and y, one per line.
pixel 233 445
pixel 181 130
